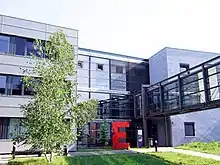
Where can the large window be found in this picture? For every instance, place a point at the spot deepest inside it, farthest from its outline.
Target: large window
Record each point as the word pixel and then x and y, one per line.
pixel 29 47
pixel 4 44
pixel 16 85
pixel 19 45
pixel 28 90
pixel 2 84
pixel 99 73
pixel 4 124
pixel 11 85
pixel 104 104
pixel 189 128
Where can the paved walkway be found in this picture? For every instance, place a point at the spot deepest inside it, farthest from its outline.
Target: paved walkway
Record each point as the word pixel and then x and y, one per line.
pixel 187 152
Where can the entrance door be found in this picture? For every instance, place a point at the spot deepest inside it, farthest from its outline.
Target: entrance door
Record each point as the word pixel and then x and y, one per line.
pixel 154 132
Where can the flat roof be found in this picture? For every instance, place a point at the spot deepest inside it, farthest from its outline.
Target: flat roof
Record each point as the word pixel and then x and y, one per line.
pixel 113 54
pixel 38 22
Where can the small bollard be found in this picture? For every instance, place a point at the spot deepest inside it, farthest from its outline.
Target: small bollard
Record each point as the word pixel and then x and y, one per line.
pixel 65 150
pixel 13 150
pixel 156 145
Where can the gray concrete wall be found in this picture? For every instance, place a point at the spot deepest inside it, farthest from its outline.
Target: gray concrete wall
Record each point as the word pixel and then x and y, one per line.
pixel 158 67
pixel 207 126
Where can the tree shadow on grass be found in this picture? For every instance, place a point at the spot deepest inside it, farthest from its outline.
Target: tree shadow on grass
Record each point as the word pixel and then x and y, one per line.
pixel 119 159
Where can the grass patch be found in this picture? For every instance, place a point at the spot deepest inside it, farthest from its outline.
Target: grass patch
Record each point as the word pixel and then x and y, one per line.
pixel 212 147
pixel 121 159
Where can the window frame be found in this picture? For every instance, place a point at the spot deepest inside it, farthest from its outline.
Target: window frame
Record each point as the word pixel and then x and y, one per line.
pixel 192 124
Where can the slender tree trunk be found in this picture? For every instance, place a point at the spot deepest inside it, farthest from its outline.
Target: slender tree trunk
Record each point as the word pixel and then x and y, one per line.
pixel 45 155
pixel 51 156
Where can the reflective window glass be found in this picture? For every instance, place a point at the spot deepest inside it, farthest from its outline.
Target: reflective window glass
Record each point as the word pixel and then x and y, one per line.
pixel 16 85
pixel 19 45
pixel 2 84
pixel 189 128
pixel 29 47
pixel 4 42
pixel 28 91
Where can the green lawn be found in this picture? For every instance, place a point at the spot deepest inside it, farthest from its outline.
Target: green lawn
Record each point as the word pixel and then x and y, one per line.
pixel 212 148
pixel 122 159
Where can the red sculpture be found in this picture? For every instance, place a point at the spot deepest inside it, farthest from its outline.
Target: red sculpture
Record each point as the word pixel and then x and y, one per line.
pixel 116 144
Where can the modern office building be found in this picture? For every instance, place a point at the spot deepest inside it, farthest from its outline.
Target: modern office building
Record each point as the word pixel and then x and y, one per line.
pixel 117 81
pixel 16 43
pixel 111 78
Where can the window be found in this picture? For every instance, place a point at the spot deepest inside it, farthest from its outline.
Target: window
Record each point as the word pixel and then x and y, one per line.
pixel 29 47
pixel 20 44
pixel 4 124
pixel 28 91
pixel 99 66
pixel 184 67
pixel 80 64
pixel 15 84
pixel 189 128
pixel 4 42
pixel 119 69
pixel 2 84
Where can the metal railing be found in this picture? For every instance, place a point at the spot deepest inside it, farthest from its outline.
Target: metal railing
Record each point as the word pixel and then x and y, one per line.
pixel 192 90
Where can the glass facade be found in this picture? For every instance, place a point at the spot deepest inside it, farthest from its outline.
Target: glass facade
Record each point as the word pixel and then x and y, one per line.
pixel 103 76
pixel 109 74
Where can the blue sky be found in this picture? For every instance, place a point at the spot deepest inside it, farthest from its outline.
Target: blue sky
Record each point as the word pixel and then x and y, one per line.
pixel 132 27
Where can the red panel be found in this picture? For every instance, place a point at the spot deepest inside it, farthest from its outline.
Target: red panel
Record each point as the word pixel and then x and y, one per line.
pixel 116 144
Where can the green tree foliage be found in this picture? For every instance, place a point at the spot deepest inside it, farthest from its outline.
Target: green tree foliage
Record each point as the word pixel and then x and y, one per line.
pixel 104 133
pixel 53 113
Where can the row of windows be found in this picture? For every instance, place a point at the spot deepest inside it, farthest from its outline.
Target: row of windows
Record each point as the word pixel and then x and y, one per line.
pixel 16 45
pixel 13 85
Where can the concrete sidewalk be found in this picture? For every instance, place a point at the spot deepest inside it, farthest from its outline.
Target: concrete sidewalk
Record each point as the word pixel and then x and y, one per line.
pixel 181 151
